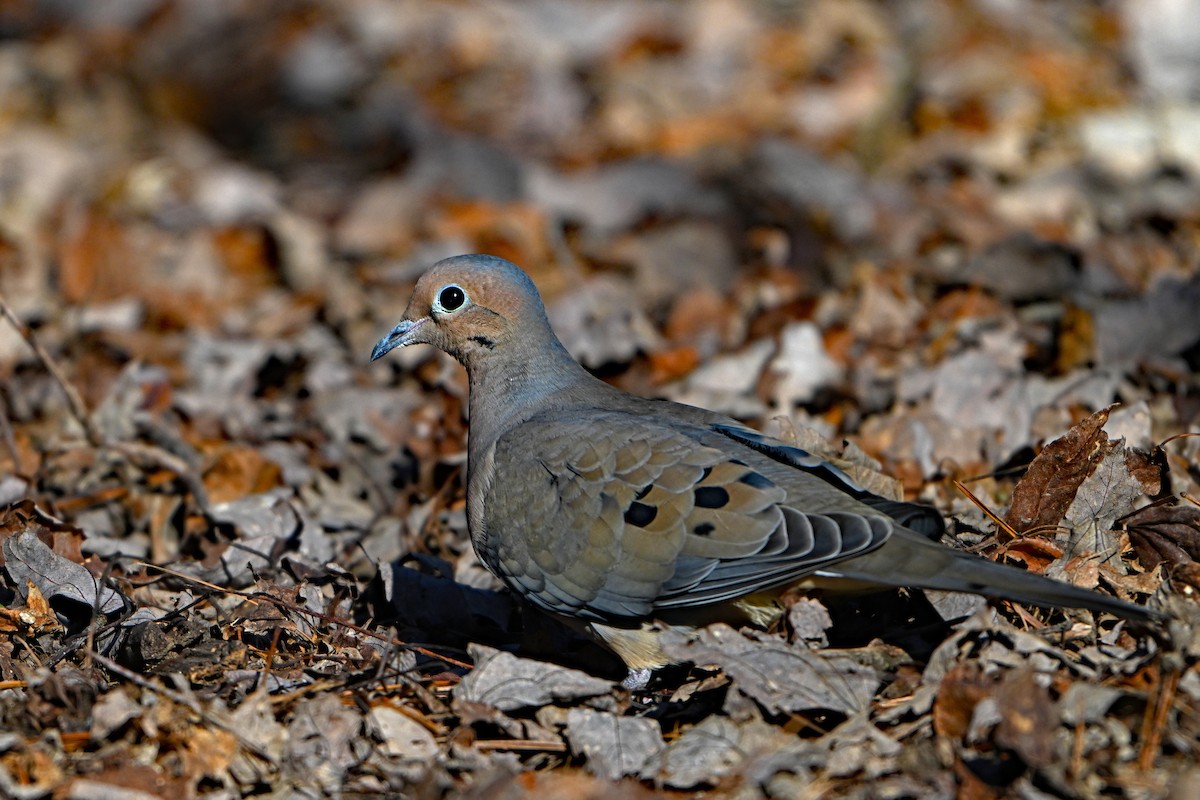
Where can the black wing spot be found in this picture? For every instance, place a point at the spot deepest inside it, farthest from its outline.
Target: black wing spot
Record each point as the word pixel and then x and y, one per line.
pixel 645 490
pixel 704 475
pixel 756 480
pixel 704 529
pixel 712 497
pixel 640 514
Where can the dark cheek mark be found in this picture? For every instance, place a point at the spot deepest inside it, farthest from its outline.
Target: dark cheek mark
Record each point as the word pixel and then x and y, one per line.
pixel 485 341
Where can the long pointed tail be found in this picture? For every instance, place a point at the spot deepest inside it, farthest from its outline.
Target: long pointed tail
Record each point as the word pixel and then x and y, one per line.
pixel 909 559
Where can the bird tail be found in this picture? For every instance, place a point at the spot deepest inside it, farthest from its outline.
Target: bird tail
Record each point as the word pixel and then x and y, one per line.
pixel 909 559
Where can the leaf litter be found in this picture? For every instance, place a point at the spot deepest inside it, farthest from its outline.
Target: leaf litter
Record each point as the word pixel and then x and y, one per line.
pixel 234 557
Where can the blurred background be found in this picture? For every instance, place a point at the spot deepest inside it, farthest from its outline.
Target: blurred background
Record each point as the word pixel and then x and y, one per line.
pixel 945 229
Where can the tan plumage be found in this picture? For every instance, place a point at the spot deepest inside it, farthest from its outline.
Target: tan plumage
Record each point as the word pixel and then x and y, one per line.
pixel 612 510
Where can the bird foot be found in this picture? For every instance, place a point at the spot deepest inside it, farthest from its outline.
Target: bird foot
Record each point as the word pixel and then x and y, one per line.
pixel 637 679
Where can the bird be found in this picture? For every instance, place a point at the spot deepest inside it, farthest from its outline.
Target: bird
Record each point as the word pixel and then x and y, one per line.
pixel 622 514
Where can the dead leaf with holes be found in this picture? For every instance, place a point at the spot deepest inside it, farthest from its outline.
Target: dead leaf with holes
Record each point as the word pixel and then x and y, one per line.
pixel 1043 496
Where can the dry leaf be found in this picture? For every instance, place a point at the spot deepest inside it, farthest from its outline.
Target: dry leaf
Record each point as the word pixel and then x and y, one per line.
pixel 1045 493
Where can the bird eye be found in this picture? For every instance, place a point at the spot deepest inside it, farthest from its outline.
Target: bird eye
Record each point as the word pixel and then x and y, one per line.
pixel 451 298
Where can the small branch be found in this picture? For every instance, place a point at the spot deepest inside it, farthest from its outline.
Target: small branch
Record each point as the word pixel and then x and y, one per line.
pixel 1158 712
pixel 74 401
pixel 1004 526
pixel 521 745
pixel 10 439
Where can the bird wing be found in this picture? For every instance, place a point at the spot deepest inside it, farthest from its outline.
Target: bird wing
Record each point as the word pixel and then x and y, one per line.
pixel 628 514
pixel 914 516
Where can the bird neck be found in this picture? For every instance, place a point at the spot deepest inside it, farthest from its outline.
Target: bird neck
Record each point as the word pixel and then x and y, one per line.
pixel 506 392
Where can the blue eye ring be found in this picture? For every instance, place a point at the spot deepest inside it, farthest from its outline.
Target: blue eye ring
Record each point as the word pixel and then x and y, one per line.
pixel 450 298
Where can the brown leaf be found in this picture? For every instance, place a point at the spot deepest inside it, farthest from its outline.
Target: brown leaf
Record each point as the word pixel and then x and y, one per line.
pixel 669 365
pixel 239 471
pixel 1188 573
pixel 963 687
pixel 94 261
pixel 971 786
pixel 246 252
pixel 1165 533
pixel 1045 493
pixel 1149 468
pixel 63 539
pixel 1029 718
pixel 34 619
pixel 697 313
pixel 1076 339
pixel 126 780
pixel 207 751
pixel 1034 553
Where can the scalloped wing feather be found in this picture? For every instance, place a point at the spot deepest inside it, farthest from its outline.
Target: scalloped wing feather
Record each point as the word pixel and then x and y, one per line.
pixel 644 515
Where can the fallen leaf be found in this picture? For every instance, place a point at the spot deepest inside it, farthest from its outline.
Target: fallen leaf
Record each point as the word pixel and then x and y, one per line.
pixel 614 747
pixel 1044 494
pixel 1028 718
pixel 780 676
pixel 507 682
pixel 1166 533
pixel 34 619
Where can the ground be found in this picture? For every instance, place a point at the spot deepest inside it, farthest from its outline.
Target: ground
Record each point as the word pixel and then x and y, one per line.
pixel 954 244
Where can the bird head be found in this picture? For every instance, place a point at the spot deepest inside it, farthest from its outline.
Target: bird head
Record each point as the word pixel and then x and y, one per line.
pixel 470 306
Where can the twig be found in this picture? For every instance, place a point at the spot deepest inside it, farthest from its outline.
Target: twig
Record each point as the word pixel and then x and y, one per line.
pixel 1156 719
pixel 526 745
pixel 74 401
pixel 980 505
pixel 998 473
pixel 10 440
pixel 1027 617
pixel 1169 439
pixel 1040 529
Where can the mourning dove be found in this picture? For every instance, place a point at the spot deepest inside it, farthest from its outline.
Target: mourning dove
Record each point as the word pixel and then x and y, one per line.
pixel 614 511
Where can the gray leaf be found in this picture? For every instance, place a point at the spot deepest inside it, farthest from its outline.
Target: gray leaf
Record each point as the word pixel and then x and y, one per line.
pixel 615 746
pixel 781 677
pixel 507 682
pixel 27 558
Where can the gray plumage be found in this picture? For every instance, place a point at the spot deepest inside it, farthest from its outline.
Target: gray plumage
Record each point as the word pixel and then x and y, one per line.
pixel 613 510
